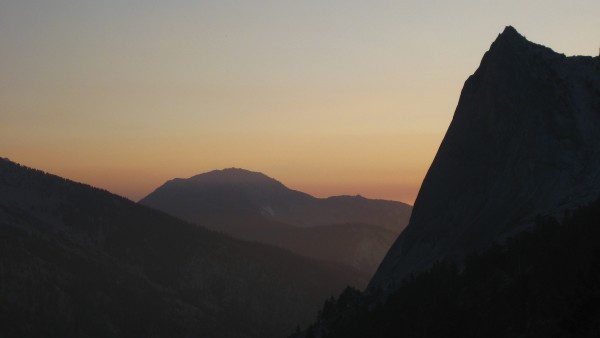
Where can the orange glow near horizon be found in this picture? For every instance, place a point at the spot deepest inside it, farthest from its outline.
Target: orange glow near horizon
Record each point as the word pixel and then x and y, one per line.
pixel 375 166
pixel 329 97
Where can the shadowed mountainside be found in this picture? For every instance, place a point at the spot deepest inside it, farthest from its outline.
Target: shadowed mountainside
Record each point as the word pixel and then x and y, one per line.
pixel 361 246
pixel 78 261
pixel 524 141
pixel 476 259
pixel 539 283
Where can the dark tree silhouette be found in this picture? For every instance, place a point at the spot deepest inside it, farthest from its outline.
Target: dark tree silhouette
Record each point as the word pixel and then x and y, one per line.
pixel 540 283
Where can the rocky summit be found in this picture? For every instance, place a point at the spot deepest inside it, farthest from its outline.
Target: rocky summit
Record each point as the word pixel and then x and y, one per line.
pixel 524 141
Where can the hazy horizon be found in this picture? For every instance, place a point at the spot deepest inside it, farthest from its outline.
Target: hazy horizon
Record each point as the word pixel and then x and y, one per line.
pixel 329 98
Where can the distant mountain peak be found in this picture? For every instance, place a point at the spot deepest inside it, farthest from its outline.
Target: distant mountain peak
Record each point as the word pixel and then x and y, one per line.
pixel 232 175
pixel 233 171
pixel 235 191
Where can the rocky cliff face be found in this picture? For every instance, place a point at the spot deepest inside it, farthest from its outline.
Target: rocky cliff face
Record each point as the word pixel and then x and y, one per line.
pixel 524 141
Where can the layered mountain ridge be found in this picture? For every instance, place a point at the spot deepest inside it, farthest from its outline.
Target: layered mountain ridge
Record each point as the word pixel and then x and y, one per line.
pixel 349 230
pixel 249 193
pixel 524 141
pixel 76 261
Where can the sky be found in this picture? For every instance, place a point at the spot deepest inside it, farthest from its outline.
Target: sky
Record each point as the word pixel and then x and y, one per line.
pixel 329 97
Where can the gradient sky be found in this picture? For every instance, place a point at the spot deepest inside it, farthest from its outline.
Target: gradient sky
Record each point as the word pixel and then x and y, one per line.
pixel 329 97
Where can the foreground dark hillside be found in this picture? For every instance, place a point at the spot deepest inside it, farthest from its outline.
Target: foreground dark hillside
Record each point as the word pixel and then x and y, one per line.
pixel 80 262
pixel 540 283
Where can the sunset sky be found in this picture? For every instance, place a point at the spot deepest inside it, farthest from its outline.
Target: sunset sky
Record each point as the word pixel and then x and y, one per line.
pixel 329 97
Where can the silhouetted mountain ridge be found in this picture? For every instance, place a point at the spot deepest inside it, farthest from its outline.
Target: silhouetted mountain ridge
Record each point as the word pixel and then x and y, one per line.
pixel 477 259
pixel 251 193
pixel 524 141
pixel 78 261
pixel 252 206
